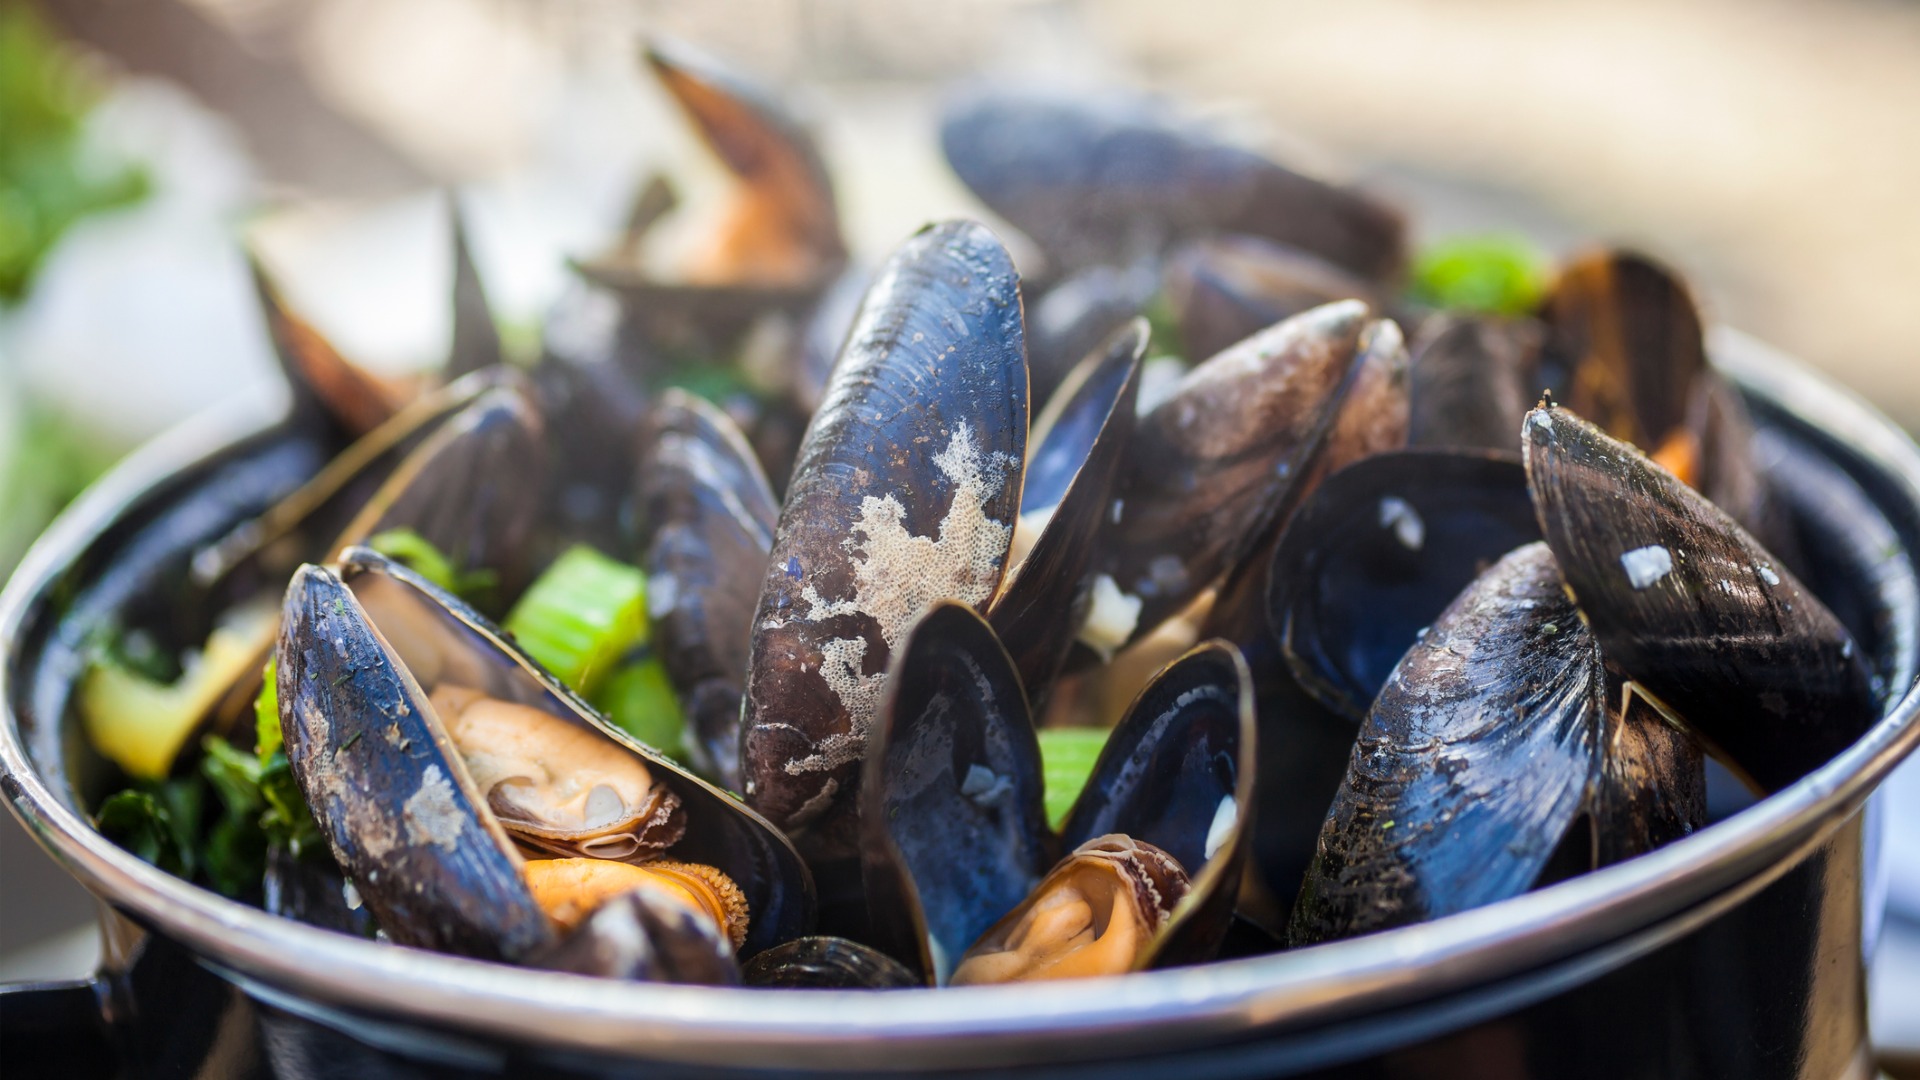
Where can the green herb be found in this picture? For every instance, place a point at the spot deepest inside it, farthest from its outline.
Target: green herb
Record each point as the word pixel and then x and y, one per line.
pixel 235 855
pixel 420 556
pixel 1067 757
pixel 640 701
pixel 581 616
pixel 156 823
pixel 1497 274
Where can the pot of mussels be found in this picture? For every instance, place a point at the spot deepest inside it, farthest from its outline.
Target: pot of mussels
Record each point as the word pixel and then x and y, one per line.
pixel 1196 649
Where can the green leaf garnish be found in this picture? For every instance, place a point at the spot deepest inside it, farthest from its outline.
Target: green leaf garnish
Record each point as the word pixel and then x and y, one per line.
pixel 419 555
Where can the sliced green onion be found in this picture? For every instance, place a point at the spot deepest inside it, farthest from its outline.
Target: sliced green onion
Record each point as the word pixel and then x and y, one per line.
pixel 266 711
pixel 1067 757
pixel 581 616
pixel 640 701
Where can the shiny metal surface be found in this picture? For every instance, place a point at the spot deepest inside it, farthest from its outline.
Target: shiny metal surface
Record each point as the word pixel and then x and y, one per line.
pixel 1645 936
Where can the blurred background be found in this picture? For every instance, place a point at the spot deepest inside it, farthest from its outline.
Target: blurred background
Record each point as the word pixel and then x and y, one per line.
pixel 1770 150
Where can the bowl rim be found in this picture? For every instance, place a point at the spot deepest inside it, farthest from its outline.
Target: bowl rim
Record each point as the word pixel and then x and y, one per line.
pixel 384 995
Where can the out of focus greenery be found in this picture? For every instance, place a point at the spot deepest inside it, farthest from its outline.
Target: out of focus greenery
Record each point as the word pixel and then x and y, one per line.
pixel 47 180
pixel 1499 274
pixel 46 458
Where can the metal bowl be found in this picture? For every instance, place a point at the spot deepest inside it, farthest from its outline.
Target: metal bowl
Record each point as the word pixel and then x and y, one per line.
pixel 1737 951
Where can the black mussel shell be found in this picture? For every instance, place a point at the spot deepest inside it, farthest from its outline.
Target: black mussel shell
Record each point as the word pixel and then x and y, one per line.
pixel 707 520
pixel 1178 773
pixel 432 865
pixel 1072 319
pixel 472 489
pixel 1081 440
pixel 1474 377
pixel 954 832
pixel 1378 551
pixel 1225 288
pixel 905 493
pixel 1470 767
pixel 1373 412
pixel 828 963
pixel 639 936
pixel 1109 176
pixel 1209 470
pixel 263 551
pixel 1652 787
pixel 344 734
pixel 1693 609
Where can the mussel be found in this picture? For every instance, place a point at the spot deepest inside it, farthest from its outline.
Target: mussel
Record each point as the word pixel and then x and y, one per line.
pixel 707 526
pixel 436 757
pixel 956 846
pixel 905 493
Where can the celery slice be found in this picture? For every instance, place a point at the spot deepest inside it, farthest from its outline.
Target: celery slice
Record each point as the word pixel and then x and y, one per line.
pixel 640 701
pixel 1067 757
pixel 581 616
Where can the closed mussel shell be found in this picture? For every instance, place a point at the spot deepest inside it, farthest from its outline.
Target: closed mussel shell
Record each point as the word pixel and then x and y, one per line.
pixel 1693 609
pixel 1178 773
pixel 954 832
pixel 1474 377
pixel 905 493
pixel 1378 551
pixel 707 519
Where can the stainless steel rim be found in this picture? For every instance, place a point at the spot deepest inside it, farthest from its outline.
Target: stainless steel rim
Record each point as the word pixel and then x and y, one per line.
pixel 1579 928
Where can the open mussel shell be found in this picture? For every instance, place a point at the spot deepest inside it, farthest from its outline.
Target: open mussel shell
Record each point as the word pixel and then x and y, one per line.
pixel 472 489
pixel 1471 765
pixel 707 519
pixel 785 213
pixel 1079 442
pixel 1474 377
pixel 1108 176
pixel 954 831
pixel 362 649
pixel 1378 551
pixel 468 483
pixel 261 552
pixel 1224 288
pixel 328 389
pixel 1691 608
pixel 1178 773
pixel 827 963
pixel 906 493
pixel 1209 471
pixel 778 242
